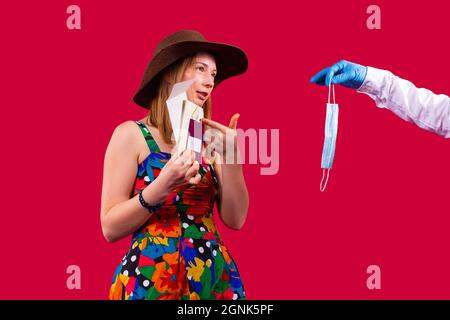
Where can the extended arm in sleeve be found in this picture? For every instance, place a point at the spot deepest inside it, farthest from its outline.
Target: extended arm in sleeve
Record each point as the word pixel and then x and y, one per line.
pixel 420 106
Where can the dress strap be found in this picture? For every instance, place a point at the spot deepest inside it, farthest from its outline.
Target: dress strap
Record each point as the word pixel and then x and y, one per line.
pixel 148 137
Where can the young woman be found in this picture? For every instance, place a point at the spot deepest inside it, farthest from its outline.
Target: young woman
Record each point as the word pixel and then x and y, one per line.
pixel 165 200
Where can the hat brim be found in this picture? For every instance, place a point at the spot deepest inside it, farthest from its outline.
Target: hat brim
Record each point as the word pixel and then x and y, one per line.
pixel 230 61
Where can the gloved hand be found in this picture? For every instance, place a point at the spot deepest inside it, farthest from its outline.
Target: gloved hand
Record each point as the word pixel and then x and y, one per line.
pixel 348 74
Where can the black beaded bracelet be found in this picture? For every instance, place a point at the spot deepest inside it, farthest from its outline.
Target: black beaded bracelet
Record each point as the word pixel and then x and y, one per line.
pixel 146 205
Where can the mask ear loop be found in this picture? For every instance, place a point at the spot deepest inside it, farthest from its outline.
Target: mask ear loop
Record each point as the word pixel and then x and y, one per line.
pixel 329 92
pixel 322 186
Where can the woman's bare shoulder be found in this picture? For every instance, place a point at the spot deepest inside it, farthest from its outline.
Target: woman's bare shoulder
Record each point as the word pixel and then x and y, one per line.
pixel 127 130
pixel 126 127
pixel 126 136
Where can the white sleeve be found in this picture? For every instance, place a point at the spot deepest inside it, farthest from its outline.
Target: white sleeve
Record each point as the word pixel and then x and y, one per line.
pixel 420 106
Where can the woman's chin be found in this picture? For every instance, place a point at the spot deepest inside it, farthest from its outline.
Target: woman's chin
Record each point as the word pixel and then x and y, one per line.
pixel 200 103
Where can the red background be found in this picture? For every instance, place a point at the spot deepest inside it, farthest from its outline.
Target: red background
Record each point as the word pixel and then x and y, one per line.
pixel 64 92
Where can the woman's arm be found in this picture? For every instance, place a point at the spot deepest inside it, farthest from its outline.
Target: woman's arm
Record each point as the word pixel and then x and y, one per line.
pixel 233 195
pixel 120 215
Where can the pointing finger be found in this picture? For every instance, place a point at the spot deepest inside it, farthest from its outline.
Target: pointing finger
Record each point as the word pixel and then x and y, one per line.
pixel 214 124
pixel 234 120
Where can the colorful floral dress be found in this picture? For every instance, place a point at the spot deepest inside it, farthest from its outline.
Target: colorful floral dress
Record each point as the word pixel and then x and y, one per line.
pixel 177 253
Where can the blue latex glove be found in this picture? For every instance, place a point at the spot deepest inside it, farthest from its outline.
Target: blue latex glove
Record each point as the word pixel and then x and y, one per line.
pixel 348 74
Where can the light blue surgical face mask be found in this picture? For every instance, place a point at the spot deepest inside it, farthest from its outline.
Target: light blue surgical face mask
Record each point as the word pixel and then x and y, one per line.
pixel 329 145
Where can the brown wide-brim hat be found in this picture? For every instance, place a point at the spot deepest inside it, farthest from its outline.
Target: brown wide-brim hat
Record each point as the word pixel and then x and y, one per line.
pixel 230 61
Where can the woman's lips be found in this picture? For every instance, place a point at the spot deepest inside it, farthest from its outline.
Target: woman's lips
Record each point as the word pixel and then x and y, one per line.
pixel 202 95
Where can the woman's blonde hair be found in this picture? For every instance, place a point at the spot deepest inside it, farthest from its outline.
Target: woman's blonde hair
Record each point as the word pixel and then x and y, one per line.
pixel 158 115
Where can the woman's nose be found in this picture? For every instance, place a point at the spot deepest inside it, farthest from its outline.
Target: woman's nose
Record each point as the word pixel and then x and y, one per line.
pixel 208 82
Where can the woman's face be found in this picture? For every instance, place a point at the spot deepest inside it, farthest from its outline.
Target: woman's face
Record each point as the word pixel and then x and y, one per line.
pixel 203 71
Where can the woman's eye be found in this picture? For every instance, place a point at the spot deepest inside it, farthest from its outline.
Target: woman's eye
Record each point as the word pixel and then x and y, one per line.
pixel 201 68
pixel 214 75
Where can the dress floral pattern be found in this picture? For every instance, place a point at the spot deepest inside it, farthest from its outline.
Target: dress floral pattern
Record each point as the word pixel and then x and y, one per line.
pixel 178 252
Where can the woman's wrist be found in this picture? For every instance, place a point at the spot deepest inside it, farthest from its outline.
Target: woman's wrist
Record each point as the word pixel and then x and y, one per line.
pixel 156 192
pixel 152 208
pixel 233 157
pixel 232 169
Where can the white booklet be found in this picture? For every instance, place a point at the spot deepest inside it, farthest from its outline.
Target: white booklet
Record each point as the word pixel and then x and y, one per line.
pixel 185 117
